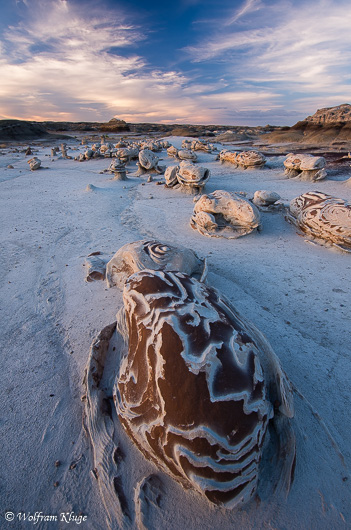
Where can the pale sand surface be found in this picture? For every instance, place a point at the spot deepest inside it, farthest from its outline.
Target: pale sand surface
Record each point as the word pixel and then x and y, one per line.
pixel 296 292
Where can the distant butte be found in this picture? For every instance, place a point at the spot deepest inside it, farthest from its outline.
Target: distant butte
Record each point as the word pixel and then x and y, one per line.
pixel 328 127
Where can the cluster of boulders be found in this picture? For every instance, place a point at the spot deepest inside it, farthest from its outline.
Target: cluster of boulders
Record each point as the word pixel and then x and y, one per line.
pixel 182 154
pixel 198 145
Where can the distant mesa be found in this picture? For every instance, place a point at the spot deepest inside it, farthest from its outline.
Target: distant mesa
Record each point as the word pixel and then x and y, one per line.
pixel 329 126
pixel 339 114
pixel 114 125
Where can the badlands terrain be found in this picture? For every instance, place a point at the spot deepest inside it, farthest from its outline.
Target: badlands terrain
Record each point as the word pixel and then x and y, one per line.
pixel 296 291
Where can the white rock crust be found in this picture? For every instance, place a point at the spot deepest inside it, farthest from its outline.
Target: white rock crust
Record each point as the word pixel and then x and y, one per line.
pixel 151 254
pixel 224 214
pixel 323 217
pixel 196 389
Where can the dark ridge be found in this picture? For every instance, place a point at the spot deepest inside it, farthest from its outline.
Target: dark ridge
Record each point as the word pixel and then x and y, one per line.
pixel 22 130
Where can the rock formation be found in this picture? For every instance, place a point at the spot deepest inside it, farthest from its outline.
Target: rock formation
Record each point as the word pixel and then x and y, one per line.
pixel 338 114
pixel 155 255
pixel 323 217
pixel 198 387
pixel 305 167
pixel 245 159
pixel 224 214
pixel 187 176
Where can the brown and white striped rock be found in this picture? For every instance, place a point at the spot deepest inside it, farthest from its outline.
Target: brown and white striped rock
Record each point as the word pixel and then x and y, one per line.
pixel 151 254
pixel 323 217
pixel 225 214
pixel 305 167
pixel 34 163
pixel 198 386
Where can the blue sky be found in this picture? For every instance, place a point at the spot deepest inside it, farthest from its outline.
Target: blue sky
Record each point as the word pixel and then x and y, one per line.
pixel 235 62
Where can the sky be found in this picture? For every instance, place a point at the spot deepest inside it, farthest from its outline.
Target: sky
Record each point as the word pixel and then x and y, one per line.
pixel 229 62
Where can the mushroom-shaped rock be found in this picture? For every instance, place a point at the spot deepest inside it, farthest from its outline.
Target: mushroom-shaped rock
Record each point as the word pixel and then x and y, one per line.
pixel 187 154
pixel 266 200
pixel 118 168
pixel 227 215
pixel 323 217
pixel 305 167
pixel 151 254
pixel 148 162
pixel 191 177
pixel 198 387
pixel 34 163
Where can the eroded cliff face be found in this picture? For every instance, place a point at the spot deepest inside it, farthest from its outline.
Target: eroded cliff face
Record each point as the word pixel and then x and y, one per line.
pixel 328 127
pixel 341 113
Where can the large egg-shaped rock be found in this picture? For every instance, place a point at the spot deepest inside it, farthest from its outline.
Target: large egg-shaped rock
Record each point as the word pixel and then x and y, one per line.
pixel 192 392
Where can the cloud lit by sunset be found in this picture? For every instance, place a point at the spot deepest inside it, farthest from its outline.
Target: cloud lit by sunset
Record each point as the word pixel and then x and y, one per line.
pixel 247 62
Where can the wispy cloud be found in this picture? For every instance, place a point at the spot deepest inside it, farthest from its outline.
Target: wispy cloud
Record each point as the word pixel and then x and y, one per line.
pixel 248 7
pixel 295 48
pixel 268 59
pixel 78 68
pixel 75 65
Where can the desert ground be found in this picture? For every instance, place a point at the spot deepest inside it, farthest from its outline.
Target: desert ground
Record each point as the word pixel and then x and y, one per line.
pixel 296 291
